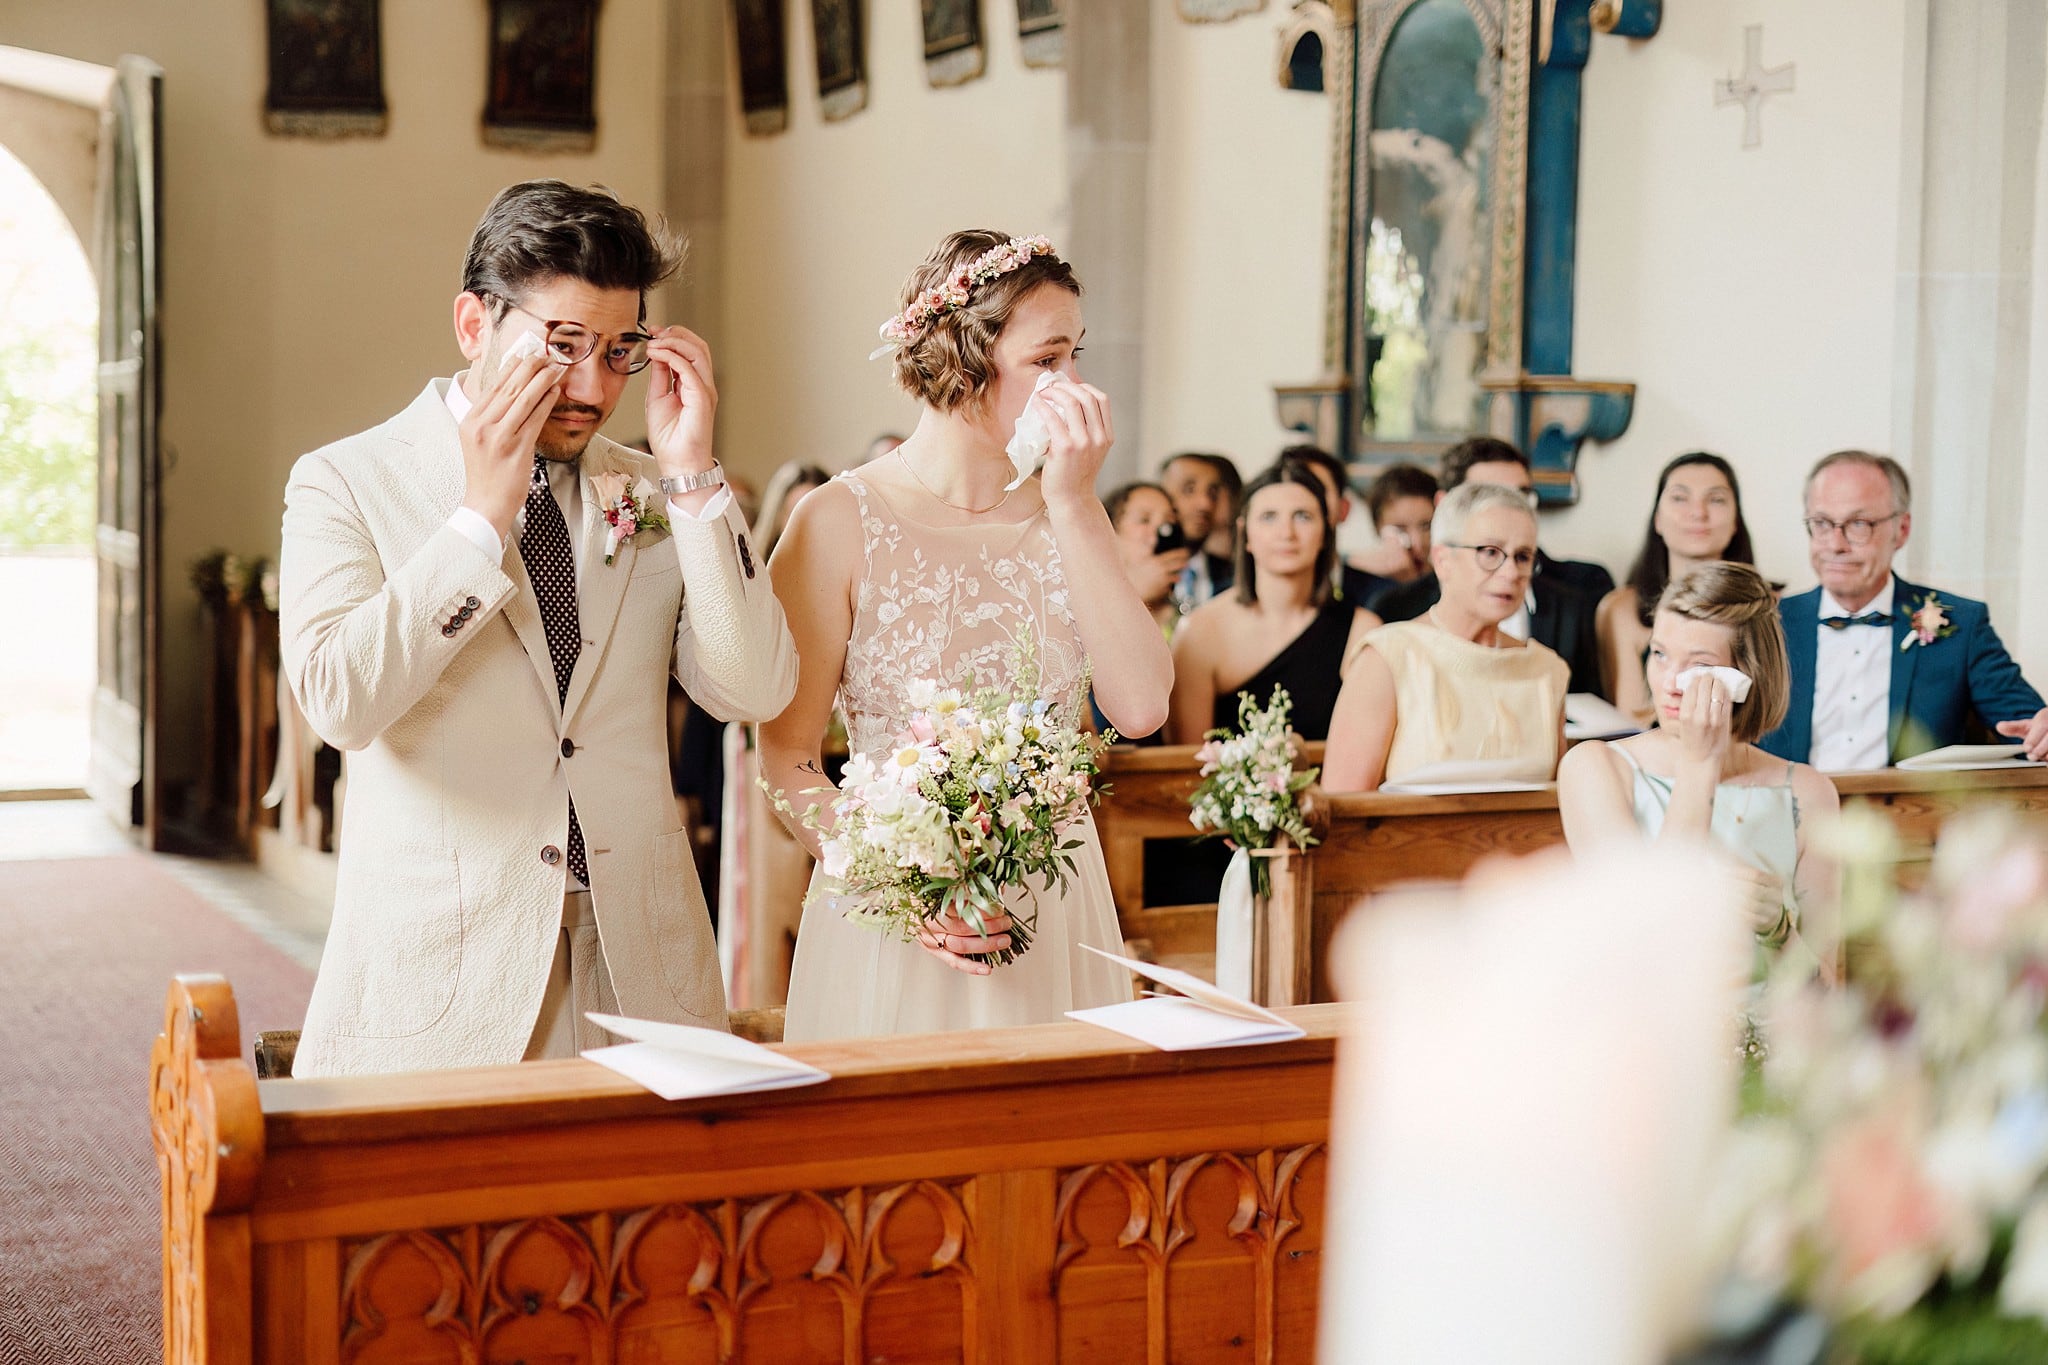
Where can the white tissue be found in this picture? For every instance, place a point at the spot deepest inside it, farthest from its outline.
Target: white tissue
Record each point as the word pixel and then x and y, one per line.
pixel 1031 440
pixel 528 344
pixel 1734 681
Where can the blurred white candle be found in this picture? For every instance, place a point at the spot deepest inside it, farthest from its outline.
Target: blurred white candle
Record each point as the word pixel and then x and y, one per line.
pixel 1539 1068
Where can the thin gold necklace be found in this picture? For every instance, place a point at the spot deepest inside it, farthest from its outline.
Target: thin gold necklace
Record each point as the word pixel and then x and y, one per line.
pixel 970 511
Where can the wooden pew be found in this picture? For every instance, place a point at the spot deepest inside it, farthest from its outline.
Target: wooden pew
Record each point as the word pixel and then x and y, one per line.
pixel 1372 841
pixel 1025 1195
pixel 1375 840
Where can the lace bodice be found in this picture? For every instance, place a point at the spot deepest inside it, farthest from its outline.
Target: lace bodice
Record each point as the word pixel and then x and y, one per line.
pixel 950 603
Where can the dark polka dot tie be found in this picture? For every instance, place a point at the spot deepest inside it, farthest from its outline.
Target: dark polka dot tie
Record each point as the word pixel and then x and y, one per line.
pixel 551 566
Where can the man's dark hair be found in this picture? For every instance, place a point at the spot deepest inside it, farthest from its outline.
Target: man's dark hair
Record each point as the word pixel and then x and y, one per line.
pixel 1318 458
pixel 1398 481
pixel 1460 458
pixel 1225 467
pixel 541 230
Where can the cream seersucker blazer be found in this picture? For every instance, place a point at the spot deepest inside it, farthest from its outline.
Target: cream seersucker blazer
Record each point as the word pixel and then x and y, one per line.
pixel 461 762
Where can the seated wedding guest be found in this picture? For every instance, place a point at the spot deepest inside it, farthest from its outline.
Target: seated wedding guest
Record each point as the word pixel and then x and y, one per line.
pixel 1153 548
pixel 1455 686
pixel 1883 669
pixel 1561 600
pixel 1400 502
pixel 1695 519
pixel 786 488
pixel 1700 775
pixel 1222 541
pixel 1201 487
pixel 1281 625
pixel 1354 585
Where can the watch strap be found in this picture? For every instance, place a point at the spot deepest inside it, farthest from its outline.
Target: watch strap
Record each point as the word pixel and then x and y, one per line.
pixel 690 483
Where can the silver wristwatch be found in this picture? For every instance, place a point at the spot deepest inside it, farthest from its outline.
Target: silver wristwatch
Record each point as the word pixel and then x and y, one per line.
pixel 690 483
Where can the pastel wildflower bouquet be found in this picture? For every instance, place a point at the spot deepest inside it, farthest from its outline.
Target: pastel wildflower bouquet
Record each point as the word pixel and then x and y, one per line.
pixel 1250 791
pixel 971 804
pixel 1889 1176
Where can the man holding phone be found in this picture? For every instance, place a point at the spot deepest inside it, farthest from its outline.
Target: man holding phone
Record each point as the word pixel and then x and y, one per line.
pixel 480 600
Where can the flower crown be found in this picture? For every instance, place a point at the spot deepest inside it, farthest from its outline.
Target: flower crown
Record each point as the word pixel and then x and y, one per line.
pixel 951 294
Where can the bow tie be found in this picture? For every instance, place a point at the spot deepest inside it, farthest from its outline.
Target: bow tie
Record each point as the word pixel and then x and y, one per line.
pixel 1868 618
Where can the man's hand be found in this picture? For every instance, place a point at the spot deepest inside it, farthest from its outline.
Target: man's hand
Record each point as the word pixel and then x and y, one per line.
pixel 1154 575
pixel 2032 733
pixel 682 400
pixel 498 437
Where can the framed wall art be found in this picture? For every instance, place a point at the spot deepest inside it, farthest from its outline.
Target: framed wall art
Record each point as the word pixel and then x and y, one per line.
pixel 952 41
pixel 842 57
pixel 542 92
pixel 763 64
pixel 1042 27
pixel 326 68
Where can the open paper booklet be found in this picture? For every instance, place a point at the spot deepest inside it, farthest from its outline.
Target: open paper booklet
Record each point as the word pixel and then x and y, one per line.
pixel 678 1062
pixel 1587 716
pixel 1964 757
pixel 1200 1016
pixel 1457 776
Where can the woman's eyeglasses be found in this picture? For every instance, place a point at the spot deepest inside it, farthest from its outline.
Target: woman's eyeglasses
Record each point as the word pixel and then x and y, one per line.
pixel 570 343
pixel 1491 557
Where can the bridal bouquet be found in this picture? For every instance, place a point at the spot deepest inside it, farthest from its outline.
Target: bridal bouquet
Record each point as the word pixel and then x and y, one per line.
pixel 970 802
pixel 1250 790
pixel 1889 1178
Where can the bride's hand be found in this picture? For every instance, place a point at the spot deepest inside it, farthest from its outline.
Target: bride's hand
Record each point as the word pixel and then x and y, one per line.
pixel 950 939
pixel 1077 419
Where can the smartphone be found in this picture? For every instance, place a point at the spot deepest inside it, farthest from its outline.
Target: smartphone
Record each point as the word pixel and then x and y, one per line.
pixel 1168 538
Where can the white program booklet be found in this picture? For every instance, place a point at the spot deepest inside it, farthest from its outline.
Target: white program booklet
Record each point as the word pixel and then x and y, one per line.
pixel 1964 757
pixel 1200 1016
pixel 1460 776
pixel 678 1062
pixel 1587 716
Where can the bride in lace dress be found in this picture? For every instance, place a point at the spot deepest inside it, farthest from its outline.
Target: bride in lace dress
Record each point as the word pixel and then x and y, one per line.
pixel 920 565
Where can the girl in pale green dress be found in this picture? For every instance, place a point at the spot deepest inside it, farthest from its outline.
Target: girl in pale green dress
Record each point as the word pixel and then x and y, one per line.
pixel 1699 774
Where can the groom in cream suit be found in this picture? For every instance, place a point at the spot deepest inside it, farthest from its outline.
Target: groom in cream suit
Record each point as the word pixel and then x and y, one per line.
pixel 482 604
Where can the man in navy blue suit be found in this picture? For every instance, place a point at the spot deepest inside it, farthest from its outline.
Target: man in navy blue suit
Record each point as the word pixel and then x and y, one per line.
pixel 1883 669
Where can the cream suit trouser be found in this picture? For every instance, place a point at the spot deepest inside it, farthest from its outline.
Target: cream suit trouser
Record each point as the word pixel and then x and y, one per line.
pixel 577 981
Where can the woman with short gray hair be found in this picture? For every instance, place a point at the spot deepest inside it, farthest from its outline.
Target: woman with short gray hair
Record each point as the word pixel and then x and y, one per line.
pixel 1452 692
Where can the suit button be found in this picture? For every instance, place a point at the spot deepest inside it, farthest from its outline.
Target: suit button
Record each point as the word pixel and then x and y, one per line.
pixel 465 614
pixel 551 855
pixel 448 630
pixel 471 604
pixel 568 748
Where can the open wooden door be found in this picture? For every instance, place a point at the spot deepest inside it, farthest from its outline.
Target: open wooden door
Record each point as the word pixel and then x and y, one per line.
pixel 127 240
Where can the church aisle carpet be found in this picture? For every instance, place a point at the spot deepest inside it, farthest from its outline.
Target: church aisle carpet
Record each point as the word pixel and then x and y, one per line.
pixel 87 948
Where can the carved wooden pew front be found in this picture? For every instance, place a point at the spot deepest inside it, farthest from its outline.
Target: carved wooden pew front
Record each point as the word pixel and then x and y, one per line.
pixel 1022 1195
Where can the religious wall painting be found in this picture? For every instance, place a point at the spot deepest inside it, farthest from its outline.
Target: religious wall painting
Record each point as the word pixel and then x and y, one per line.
pixel 1041 25
pixel 326 68
pixel 842 57
pixel 953 52
pixel 763 64
pixel 542 91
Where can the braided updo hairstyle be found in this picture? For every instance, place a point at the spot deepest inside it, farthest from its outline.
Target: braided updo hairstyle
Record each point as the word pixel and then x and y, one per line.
pixel 950 363
pixel 1737 596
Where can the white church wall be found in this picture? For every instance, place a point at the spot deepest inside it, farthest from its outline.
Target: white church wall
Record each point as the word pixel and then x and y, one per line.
pixel 1240 209
pixel 826 219
pixel 308 284
pixel 1748 293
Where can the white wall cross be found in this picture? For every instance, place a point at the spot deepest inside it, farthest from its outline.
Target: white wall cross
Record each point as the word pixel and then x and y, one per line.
pixel 1753 86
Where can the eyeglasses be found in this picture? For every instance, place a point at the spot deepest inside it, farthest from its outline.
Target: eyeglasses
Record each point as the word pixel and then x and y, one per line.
pixel 1491 557
pixel 570 343
pixel 1856 530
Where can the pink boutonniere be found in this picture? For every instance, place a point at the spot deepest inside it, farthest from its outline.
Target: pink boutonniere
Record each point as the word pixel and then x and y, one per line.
pixel 1930 623
pixel 626 512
